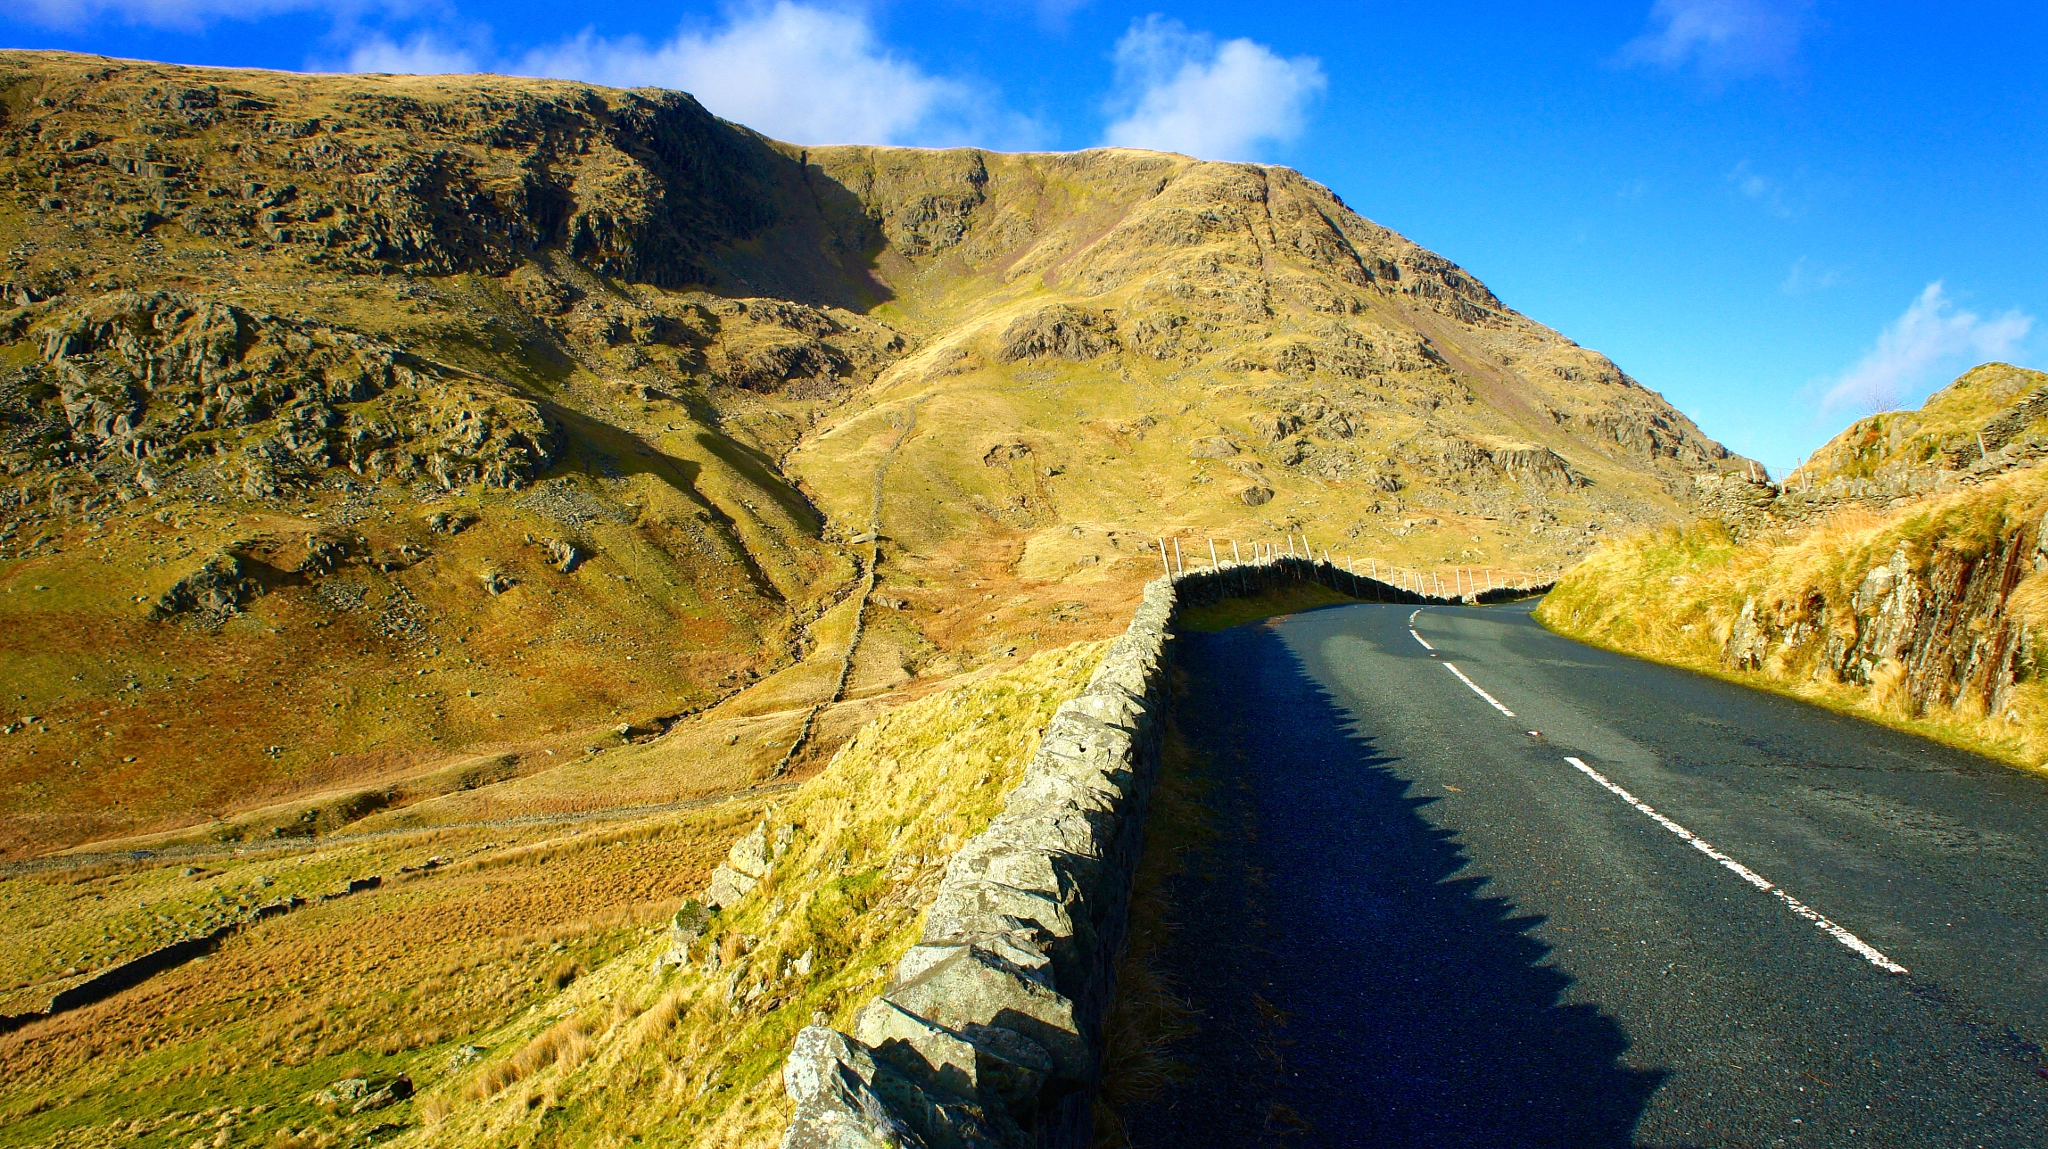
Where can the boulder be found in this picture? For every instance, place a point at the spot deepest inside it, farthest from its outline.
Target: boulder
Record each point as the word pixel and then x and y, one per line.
pixel 974 985
pixel 563 554
pixel 745 865
pixel 684 929
pixel 846 1099
pixel 728 886
pixel 993 1064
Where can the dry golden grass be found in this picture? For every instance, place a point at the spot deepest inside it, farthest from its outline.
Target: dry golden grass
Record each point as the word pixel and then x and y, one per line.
pixel 393 980
pixel 1674 596
pixel 691 1056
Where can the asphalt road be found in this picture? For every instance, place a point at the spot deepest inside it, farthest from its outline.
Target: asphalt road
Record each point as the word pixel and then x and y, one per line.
pixel 1419 923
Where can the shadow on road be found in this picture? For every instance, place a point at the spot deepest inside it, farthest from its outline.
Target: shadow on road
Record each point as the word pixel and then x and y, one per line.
pixel 1353 985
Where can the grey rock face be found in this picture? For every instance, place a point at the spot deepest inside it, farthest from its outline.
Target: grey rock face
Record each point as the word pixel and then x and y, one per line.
pixel 1940 628
pixel 563 554
pixel 683 931
pixel 1059 332
pixel 747 863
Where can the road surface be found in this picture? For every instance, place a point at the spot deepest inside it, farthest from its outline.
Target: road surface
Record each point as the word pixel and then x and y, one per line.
pixel 1475 884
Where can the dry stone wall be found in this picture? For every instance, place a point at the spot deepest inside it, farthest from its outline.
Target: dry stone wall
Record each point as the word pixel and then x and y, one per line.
pixel 991 1031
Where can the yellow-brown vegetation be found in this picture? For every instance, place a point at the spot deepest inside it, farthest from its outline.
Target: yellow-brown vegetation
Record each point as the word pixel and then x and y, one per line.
pixel 1678 596
pixel 513 981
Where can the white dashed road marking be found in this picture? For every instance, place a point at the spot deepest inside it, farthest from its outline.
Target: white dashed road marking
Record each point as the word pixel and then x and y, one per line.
pixel 1476 690
pixel 1411 630
pixel 1863 948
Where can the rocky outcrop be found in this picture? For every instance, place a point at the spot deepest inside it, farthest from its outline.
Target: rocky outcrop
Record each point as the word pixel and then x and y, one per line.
pixel 746 864
pixel 159 376
pixel 1537 464
pixel 217 589
pixel 1937 632
pixel 1057 332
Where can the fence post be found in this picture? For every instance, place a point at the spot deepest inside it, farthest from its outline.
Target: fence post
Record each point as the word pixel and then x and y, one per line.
pixel 1213 564
pixel 1164 568
pixel 1178 566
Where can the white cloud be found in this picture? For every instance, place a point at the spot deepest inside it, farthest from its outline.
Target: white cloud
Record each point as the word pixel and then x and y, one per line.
pixel 804 74
pixel 423 54
pixel 799 72
pixel 1181 91
pixel 1931 341
pixel 1720 37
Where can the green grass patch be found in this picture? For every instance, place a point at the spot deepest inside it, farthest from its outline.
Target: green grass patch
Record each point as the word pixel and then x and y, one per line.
pixel 1266 604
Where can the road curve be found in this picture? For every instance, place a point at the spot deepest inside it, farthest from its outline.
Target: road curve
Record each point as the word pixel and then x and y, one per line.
pixel 1475 884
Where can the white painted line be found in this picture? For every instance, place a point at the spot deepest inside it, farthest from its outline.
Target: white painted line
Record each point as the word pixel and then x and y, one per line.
pixel 1411 629
pixel 1863 948
pixel 1476 690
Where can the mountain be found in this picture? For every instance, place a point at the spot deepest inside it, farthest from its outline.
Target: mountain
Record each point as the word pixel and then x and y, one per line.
pixel 1895 575
pixel 375 440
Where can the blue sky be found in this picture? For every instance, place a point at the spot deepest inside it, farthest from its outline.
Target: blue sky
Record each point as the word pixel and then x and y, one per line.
pixel 1782 214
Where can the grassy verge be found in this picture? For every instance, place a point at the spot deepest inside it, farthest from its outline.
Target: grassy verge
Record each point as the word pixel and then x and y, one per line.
pixel 410 978
pixel 514 983
pixel 1676 596
pixel 1266 604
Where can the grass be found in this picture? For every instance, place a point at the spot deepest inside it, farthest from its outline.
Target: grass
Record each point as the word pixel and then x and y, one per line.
pixel 394 980
pixel 690 1057
pixel 1266 604
pixel 1676 596
pixel 513 983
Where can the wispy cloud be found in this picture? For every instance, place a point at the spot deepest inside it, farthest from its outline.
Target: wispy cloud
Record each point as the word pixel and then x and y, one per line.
pixel 1720 38
pixel 1761 189
pixel 1807 278
pixel 423 53
pixel 803 73
pixel 1183 91
pixel 1930 341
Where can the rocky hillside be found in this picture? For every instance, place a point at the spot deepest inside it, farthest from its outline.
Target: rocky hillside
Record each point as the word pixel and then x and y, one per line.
pixel 1992 420
pixel 1896 573
pixel 357 428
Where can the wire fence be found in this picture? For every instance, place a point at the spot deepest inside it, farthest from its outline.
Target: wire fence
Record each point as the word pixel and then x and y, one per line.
pixel 1364 577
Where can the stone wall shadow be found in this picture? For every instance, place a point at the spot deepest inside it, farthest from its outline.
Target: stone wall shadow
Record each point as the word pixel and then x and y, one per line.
pixel 1352 982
